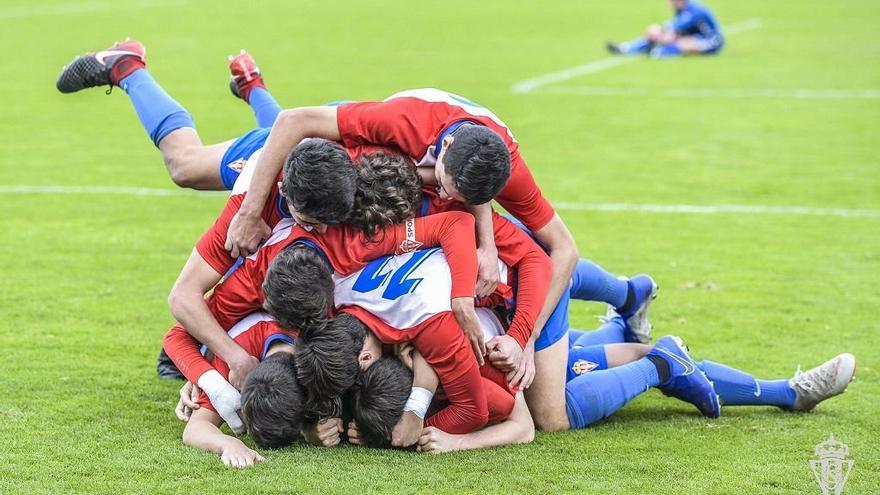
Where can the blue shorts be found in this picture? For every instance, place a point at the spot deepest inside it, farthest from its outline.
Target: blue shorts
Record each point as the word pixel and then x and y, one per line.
pixel 557 324
pixel 245 146
pixel 241 149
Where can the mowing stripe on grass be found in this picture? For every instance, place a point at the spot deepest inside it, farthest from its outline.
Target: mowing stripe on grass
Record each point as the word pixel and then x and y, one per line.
pixel 562 205
pixel 20 11
pixel 600 65
pixel 717 209
pixel 796 93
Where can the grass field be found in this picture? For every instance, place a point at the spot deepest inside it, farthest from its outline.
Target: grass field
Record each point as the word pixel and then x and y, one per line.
pixel 787 116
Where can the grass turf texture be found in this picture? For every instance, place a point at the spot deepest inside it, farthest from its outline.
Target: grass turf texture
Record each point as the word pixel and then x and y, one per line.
pixel 85 277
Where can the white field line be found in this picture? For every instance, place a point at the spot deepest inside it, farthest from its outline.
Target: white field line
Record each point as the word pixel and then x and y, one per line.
pixel 600 65
pixel 21 11
pixel 563 206
pixel 795 93
pixel 105 190
pixel 717 209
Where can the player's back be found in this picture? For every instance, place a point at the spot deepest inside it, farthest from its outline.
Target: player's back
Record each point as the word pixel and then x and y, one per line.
pixel 697 19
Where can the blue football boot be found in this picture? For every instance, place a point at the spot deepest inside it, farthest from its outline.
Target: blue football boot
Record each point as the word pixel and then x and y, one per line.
pixel 686 381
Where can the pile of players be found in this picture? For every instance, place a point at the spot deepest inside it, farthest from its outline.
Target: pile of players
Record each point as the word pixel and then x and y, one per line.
pixel 359 287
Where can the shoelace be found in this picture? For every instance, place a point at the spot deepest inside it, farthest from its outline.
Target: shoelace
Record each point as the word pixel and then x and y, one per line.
pixel 808 380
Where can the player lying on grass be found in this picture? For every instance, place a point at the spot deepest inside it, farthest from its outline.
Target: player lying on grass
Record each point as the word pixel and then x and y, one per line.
pixel 693 31
pixel 429 142
pixel 606 377
pixel 272 401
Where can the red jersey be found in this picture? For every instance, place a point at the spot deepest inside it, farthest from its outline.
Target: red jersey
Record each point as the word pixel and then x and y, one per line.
pixel 414 121
pixel 254 334
pixel 211 246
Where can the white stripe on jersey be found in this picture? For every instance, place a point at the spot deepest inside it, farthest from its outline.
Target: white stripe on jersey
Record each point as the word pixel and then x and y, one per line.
pixel 440 96
pixel 247 322
pixel 404 290
pixel 279 233
pixel 490 324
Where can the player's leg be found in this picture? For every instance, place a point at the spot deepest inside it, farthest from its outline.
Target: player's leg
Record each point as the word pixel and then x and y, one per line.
pixel 169 126
pixel 598 394
pixel 629 298
pixel 613 331
pixel 546 395
pixel 638 46
pixel 247 83
pixel 800 393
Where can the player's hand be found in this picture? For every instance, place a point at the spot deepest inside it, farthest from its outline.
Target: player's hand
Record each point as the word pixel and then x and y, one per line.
pixel 489 274
pixel 238 455
pixel 466 316
pixel 407 430
pixel 354 434
pixel 525 372
pixel 434 441
pixel 504 353
pixel 240 368
pixel 245 234
pixel 189 394
pixel 224 397
pixel 323 433
pixel 404 352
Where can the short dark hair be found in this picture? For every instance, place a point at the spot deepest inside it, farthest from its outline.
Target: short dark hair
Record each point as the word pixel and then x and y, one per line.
pixel 272 402
pixel 378 399
pixel 298 287
pixel 327 356
pixel 320 180
pixel 478 162
pixel 388 192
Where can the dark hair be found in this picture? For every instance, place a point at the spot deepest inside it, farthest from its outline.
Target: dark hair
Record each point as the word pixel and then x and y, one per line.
pixel 388 192
pixel 272 402
pixel 298 287
pixel 327 356
pixel 378 399
pixel 320 180
pixel 478 162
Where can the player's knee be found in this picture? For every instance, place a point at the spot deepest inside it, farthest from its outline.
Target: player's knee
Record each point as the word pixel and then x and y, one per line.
pixel 653 32
pixel 551 423
pixel 181 168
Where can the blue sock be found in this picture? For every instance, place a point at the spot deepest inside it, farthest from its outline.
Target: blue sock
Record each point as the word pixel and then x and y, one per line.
pixel 612 332
pixel 738 388
pixel 158 112
pixel 597 395
pixel 663 51
pixel 590 282
pixel 584 360
pixel 636 46
pixel 265 108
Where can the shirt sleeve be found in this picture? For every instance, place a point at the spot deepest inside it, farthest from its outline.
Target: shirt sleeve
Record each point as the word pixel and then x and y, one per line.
pixel 522 197
pixel 444 347
pixel 683 22
pixel 534 268
pixel 183 349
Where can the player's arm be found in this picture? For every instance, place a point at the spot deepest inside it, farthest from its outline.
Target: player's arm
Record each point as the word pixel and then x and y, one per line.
pixel 564 255
pixel 518 428
pixel 187 304
pixel 248 228
pixel 183 350
pixel 425 382
pixel 487 254
pixel 202 431
pixel 445 349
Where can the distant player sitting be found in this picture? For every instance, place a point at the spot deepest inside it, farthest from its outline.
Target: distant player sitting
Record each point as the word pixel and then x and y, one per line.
pixel 693 30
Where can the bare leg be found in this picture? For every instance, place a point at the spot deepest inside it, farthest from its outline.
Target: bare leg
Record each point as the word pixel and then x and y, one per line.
pixel 620 354
pixel 689 44
pixel 190 163
pixel 546 395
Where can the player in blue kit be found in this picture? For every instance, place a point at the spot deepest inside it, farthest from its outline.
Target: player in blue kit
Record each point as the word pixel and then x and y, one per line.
pixel 169 125
pixel 693 30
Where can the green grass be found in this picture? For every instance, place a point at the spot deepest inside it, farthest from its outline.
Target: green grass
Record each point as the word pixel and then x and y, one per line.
pixel 85 277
